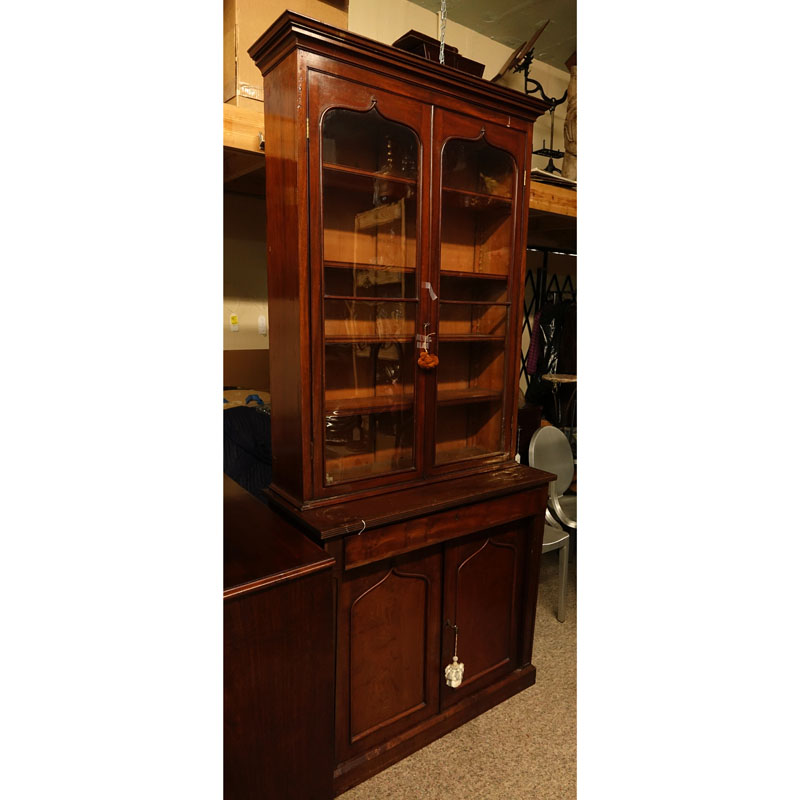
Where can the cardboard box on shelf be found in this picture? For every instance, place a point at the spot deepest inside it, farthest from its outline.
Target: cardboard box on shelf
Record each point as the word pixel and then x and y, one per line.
pixel 243 22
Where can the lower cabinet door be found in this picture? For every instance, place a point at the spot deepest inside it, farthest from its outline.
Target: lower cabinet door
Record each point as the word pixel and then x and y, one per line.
pixel 483 584
pixel 388 650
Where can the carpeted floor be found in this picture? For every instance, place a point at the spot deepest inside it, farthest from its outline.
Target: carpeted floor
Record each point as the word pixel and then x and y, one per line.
pixel 523 749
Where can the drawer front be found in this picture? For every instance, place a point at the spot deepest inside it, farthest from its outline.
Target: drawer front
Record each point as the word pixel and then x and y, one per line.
pixel 404 537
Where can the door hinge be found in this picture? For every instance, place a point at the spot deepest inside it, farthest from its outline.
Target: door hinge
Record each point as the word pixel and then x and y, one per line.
pixel 307 128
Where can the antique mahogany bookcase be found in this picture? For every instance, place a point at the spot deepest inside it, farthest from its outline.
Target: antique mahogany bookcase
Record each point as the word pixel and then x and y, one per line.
pixel 397 196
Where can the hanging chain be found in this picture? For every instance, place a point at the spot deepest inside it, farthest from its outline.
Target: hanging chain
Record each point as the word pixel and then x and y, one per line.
pixel 442 26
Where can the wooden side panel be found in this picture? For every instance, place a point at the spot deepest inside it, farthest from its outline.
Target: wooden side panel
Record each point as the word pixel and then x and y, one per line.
pixel 482 596
pixel 388 650
pixel 278 684
pixel 286 171
pixel 248 369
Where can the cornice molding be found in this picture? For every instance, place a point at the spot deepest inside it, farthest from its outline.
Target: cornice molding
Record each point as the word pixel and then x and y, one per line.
pixel 294 31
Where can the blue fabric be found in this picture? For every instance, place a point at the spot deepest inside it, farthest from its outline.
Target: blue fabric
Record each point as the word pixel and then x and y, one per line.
pixel 247 452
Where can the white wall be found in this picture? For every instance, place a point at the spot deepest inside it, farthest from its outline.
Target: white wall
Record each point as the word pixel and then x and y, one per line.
pixel 244 280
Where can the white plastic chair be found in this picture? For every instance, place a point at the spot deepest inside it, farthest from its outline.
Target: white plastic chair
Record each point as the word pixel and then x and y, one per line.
pixel 549 450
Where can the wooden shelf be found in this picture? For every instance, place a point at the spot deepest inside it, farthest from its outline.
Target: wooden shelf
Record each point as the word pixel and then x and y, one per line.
pixel 373 299
pixel 369 405
pixel 241 128
pixel 363 173
pixel 470 337
pixel 491 276
pixel 351 406
pixel 360 265
pixel 461 454
pixel 475 201
pixel 370 338
pixel 553 199
pixel 457 397
pixel 474 302
pixel 349 180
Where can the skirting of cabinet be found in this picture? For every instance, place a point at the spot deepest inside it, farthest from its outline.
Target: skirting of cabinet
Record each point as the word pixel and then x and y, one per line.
pixel 356 770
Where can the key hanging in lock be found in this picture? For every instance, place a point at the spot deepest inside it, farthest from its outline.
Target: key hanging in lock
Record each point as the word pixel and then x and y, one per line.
pixel 454 672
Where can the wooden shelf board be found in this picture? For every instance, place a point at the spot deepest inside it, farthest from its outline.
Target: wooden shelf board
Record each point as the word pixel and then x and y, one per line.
pixel 484 197
pixel 470 337
pixel 553 199
pixel 359 298
pixel 351 180
pixel 453 273
pixel 453 397
pixel 379 404
pixel 369 405
pixel 366 339
pixel 461 454
pixel 364 173
pixel 360 265
pixel 241 127
pixel 474 302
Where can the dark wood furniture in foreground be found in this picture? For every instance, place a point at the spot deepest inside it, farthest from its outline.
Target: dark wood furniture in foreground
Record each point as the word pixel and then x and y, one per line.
pixel 397 199
pixel 410 565
pixel 278 668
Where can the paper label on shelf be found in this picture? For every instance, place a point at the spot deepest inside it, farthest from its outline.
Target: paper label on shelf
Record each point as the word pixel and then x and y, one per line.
pixel 427 286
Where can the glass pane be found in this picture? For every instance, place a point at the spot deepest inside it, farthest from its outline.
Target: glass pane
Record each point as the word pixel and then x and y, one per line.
pixel 370 208
pixel 478 183
pixel 472 318
pixel 369 414
pixel 364 445
pixel 367 141
pixel 477 167
pixel 469 398
pixel 344 281
pixel 460 287
pixel 477 221
pixel 368 221
pixel 369 319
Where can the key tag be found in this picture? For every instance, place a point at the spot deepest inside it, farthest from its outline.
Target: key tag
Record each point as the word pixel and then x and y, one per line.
pixel 426 360
pixel 454 673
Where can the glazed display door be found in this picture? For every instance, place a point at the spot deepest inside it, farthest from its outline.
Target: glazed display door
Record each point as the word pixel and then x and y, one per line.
pixel 367 170
pixel 477 253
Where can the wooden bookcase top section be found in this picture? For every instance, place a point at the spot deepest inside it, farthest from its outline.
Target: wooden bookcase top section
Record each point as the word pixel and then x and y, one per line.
pixel 292 30
pixel 241 129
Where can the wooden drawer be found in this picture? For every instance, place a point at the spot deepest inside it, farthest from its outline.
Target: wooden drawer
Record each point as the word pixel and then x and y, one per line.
pixel 392 540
